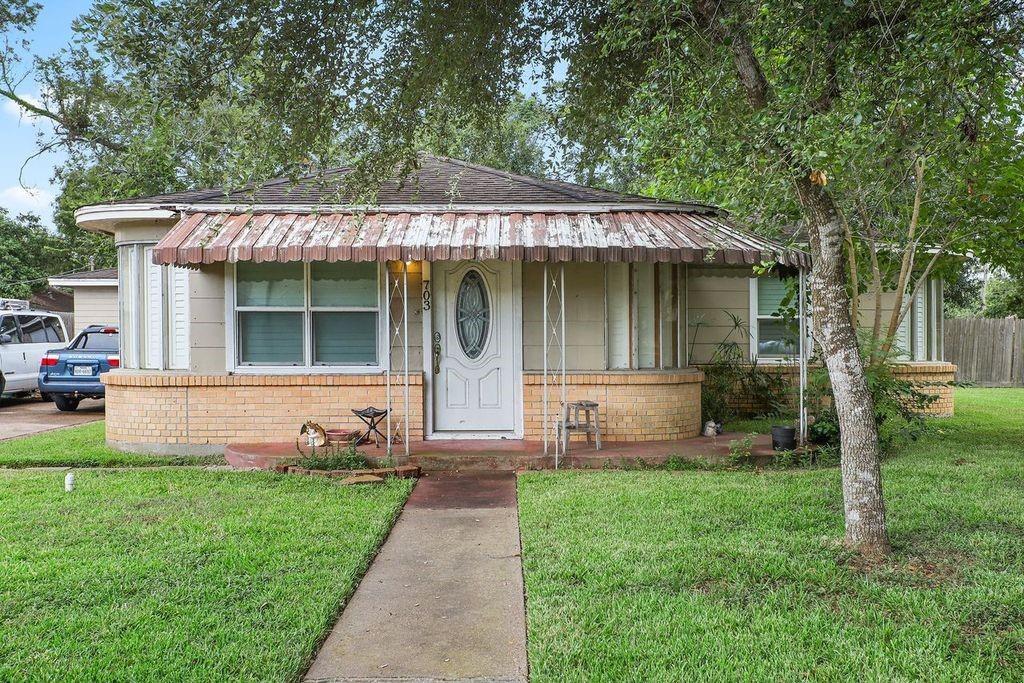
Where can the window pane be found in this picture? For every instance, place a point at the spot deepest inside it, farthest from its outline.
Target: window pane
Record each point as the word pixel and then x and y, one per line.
pixel 8 327
pixel 776 338
pixel 269 284
pixel 268 338
pixel 33 330
pixel 53 330
pixel 770 292
pixel 96 341
pixel 344 284
pixel 345 338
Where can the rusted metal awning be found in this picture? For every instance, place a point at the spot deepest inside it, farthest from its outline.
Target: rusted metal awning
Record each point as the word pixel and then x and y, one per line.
pixel 630 236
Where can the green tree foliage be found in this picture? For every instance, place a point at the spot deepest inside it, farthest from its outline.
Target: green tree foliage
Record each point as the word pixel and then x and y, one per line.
pixel 1004 298
pixel 28 253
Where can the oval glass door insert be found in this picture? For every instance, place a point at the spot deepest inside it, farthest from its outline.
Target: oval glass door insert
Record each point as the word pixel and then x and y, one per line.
pixel 472 314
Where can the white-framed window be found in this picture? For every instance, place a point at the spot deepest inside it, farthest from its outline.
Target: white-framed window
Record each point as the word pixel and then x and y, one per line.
pixel 772 337
pixel 300 315
pixel 154 311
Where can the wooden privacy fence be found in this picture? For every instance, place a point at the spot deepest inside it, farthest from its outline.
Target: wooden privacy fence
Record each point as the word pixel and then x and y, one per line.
pixel 986 351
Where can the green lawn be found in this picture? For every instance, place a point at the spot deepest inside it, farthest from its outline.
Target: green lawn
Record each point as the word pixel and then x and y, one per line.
pixel 82 446
pixel 740 575
pixel 178 574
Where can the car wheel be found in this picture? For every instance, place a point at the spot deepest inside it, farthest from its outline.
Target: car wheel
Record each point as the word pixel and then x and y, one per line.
pixel 65 403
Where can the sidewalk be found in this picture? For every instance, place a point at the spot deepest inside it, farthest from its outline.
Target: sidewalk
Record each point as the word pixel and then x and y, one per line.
pixel 444 598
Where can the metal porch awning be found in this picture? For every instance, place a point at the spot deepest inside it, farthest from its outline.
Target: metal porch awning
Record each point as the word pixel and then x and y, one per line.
pixel 627 236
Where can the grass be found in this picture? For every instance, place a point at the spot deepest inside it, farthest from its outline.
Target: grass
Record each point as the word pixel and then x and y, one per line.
pixel 178 574
pixel 83 446
pixel 741 575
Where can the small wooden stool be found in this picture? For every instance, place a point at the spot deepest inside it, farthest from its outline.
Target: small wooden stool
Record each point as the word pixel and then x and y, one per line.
pixel 590 425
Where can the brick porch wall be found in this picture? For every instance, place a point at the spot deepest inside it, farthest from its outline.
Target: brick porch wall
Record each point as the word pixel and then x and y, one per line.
pixel 635 406
pixel 179 413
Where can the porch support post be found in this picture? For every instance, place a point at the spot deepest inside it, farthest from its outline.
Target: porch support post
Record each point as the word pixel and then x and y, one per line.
pixel 397 285
pixel 554 339
pixel 802 332
pixel 387 369
pixel 405 348
pixel 544 386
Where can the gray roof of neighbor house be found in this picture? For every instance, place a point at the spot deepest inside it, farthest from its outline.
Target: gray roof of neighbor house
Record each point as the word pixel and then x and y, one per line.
pixel 100 274
pixel 451 210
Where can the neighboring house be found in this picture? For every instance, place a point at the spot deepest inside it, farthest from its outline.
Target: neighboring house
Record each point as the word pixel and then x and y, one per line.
pixel 243 314
pixel 95 296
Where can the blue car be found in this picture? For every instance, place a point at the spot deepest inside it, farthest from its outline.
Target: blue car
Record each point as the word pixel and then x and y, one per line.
pixel 70 374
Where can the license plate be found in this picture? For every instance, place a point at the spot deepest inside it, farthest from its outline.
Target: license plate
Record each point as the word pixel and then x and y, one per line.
pixel 81 370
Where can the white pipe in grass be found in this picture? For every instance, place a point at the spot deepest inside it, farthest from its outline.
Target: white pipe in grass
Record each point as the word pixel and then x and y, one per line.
pixel 69 482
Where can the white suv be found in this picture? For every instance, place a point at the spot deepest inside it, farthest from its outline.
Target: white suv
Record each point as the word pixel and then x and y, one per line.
pixel 25 337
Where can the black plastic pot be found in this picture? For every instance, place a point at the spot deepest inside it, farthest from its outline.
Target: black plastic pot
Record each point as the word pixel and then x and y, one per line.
pixel 783 438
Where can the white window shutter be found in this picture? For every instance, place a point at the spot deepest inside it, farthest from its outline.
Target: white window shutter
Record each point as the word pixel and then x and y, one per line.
pixel 177 317
pixel 153 322
pixel 920 326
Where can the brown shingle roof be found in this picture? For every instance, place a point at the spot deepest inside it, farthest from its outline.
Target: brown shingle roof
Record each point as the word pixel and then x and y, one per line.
pixel 439 181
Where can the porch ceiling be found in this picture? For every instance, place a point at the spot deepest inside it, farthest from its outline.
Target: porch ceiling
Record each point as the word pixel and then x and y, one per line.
pixel 671 236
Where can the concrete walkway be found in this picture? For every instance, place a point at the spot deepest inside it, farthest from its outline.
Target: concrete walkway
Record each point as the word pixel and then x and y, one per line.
pixel 444 598
pixel 23 417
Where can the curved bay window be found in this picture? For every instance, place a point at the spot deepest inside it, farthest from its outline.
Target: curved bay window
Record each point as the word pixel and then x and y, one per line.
pixel 305 315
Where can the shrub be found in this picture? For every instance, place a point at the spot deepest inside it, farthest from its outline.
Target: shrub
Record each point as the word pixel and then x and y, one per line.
pixel 898 408
pixel 334 457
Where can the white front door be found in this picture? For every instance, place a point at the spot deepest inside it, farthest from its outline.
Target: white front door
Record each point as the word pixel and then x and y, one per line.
pixel 477 366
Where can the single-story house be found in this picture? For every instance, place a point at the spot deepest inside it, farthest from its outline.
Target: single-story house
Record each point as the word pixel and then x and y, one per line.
pixel 95 296
pixel 470 301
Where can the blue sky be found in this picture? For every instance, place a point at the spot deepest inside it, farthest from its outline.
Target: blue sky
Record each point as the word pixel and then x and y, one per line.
pixel 34 192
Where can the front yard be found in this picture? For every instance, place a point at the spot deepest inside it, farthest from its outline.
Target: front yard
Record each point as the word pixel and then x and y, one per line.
pixel 82 446
pixel 736 575
pixel 178 574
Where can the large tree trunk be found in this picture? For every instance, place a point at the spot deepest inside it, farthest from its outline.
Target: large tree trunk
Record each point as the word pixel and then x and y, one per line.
pixel 830 304
pixel 863 505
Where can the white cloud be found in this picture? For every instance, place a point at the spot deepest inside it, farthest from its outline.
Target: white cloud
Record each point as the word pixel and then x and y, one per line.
pixel 18 199
pixel 20 113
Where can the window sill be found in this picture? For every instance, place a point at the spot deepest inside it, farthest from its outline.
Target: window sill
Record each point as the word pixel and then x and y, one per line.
pixel 314 370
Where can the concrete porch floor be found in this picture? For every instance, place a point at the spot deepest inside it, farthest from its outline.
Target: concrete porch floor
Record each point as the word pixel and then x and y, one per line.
pixel 513 455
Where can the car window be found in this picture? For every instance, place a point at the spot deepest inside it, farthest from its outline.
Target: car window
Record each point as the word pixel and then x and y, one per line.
pixel 33 329
pixel 8 326
pixel 54 330
pixel 96 341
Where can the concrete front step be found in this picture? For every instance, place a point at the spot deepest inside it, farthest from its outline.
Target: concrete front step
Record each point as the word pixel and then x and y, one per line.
pixel 508 455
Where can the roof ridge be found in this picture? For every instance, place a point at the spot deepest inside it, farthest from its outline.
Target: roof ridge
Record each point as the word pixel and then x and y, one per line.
pixel 545 183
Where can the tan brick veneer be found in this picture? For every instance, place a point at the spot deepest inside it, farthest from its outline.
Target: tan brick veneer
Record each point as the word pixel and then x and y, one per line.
pixel 930 377
pixel 635 406
pixel 178 413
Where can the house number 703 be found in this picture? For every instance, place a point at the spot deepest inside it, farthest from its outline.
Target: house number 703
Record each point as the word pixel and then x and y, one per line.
pixel 426 295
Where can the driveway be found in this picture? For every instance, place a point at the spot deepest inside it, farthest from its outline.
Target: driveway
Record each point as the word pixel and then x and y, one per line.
pixel 21 417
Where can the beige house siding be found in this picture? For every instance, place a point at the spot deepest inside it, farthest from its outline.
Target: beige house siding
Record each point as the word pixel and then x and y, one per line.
pixel 415 287
pixel 95 306
pixel 206 320
pixel 584 316
pixel 712 294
